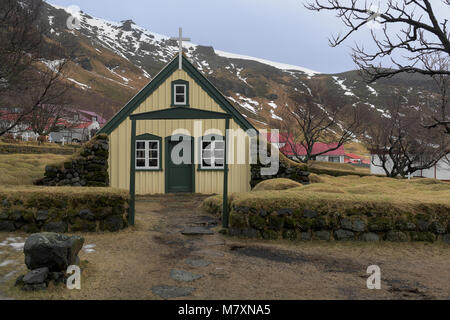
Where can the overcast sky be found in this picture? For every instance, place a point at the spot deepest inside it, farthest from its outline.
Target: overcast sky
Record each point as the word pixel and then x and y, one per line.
pixel 278 30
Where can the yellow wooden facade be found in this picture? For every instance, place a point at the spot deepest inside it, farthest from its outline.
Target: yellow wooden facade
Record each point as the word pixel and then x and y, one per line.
pixel 153 182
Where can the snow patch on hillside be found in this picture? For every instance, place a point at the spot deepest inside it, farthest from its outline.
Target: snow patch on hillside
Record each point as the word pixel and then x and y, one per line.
pixel 278 65
pixel 348 92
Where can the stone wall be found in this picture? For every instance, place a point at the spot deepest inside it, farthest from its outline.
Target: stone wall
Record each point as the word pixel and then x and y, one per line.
pixel 305 224
pixel 296 173
pixel 88 168
pixel 62 209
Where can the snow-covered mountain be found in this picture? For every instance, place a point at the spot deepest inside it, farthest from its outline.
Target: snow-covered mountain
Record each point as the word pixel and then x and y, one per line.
pixel 111 61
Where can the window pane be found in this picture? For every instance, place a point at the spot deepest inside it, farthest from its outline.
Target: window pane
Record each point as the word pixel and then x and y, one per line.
pixel 180 99
pixel 180 89
pixel 153 163
pixel 219 163
pixel 219 154
pixel 220 145
pixel 140 154
pixel 153 154
pixel 206 145
pixel 140 163
pixel 153 145
pixel 140 145
pixel 207 154
pixel 206 163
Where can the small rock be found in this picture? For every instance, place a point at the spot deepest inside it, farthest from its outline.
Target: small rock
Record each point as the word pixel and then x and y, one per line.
pixel 59 227
pixel 36 276
pixel 186 276
pixel 86 214
pixel 198 263
pixel 42 215
pixel 358 225
pixel 285 212
pixel 309 214
pixel 344 235
pixel 322 235
pixel 446 238
pixel 370 237
pixel 167 292
pixel 396 236
pixel 305 236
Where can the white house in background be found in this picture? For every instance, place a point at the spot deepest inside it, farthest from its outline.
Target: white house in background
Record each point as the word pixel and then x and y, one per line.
pixel 440 171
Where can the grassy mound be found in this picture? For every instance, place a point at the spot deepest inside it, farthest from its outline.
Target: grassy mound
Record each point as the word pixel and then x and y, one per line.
pixel 276 184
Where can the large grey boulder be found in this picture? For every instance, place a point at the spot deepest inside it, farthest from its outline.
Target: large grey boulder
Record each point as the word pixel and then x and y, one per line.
pixel 52 250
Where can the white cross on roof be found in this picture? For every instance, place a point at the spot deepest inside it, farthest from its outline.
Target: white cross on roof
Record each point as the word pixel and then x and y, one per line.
pixel 180 40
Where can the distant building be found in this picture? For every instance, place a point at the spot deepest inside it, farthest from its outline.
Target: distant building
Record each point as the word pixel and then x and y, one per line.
pixel 356 159
pixel 440 171
pixel 74 126
pixel 285 144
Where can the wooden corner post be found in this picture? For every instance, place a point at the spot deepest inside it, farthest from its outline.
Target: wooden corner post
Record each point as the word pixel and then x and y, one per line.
pixel 132 209
pixel 225 212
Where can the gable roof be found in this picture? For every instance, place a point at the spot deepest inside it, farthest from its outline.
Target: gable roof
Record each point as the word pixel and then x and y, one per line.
pixel 162 76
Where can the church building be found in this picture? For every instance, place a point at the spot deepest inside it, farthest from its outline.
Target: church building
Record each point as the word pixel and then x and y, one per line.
pixel 173 106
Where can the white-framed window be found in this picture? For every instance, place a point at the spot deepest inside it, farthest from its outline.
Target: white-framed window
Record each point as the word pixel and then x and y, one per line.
pixel 148 154
pixel 179 92
pixel 334 159
pixel 212 154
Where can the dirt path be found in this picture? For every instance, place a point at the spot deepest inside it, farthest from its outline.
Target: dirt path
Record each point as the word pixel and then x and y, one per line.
pixel 155 260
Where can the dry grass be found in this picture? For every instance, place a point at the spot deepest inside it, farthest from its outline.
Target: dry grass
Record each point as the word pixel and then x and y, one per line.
pixel 353 192
pixel 276 184
pixel 23 169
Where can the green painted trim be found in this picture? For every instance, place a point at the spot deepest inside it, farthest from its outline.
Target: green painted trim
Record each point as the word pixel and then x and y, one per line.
pixel 149 136
pixel 218 97
pixel 186 83
pixel 162 76
pixel 180 113
pixel 131 211
pixel 199 141
pixel 225 213
pixel 137 100
pixel 167 157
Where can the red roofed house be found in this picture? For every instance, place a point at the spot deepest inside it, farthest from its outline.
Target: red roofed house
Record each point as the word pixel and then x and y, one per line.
pixel 337 156
pixel 285 143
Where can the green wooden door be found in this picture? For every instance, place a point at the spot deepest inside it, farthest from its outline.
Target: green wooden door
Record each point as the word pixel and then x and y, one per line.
pixel 179 177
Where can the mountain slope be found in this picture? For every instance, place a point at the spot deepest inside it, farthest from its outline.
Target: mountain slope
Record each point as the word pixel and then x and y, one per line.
pixel 113 61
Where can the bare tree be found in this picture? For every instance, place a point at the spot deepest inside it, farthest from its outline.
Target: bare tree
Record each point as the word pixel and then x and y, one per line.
pixel 399 143
pixel 319 117
pixel 27 80
pixel 410 29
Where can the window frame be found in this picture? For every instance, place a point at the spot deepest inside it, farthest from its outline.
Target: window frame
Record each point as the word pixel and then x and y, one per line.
pixel 211 139
pixel 147 139
pixel 180 83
